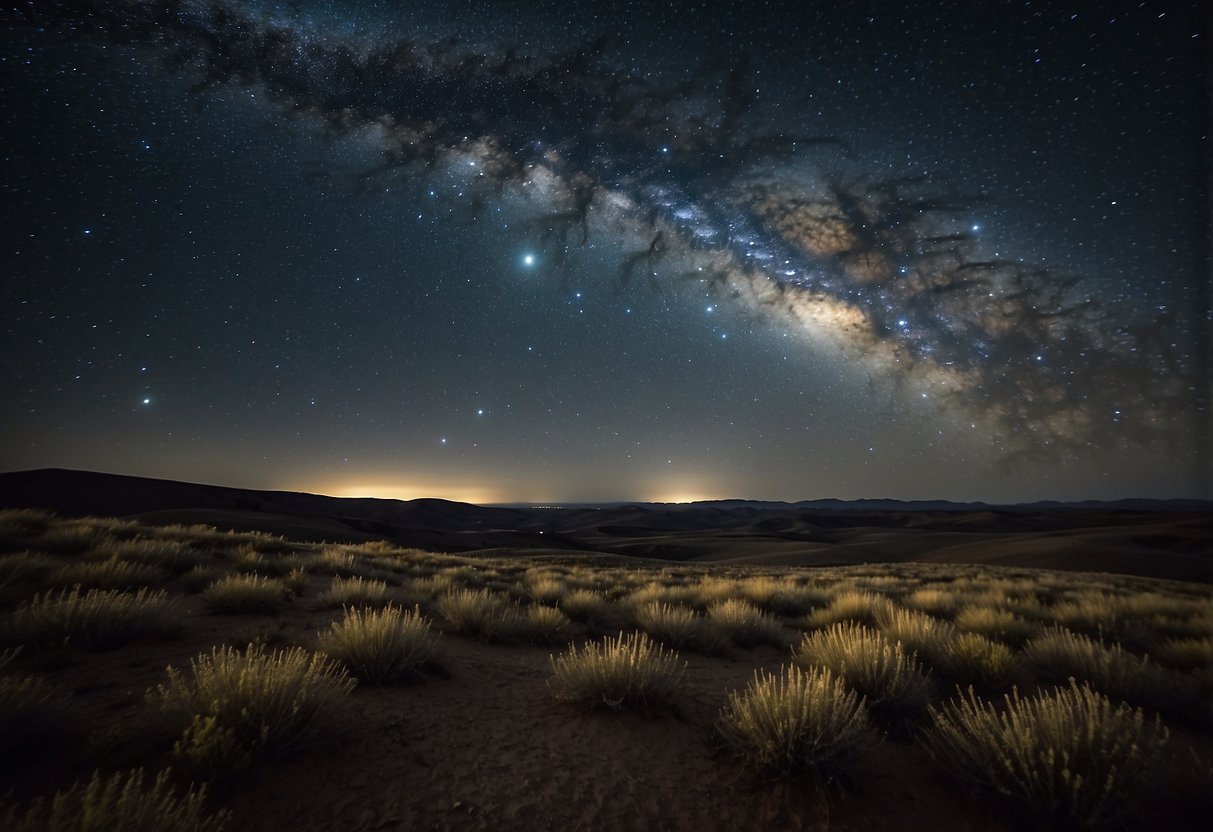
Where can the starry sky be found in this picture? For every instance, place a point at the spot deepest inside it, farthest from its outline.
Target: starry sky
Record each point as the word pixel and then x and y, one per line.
pixel 576 252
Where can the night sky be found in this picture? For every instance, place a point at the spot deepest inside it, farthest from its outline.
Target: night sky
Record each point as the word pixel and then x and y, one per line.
pixel 550 251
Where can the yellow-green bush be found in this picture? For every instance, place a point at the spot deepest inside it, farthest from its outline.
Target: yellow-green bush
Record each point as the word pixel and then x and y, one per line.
pixel 999 624
pixel 99 619
pixel 745 624
pixel 796 721
pixel 627 672
pixel 122 802
pixel 973 658
pixel 271 701
pixel 110 573
pixel 28 705
pixel 878 668
pixel 245 595
pixel 380 646
pixel 355 592
pixel 676 626
pixel 1073 757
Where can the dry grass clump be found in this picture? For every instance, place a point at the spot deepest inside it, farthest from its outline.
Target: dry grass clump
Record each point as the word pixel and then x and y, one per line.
pixel 976 659
pixel 245 595
pixel 796 721
pixel 627 672
pixel 1072 756
pixel 546 589
pixel 543 625
pixel 380 646
pixel 1059 655
pixel 355 592
pixel 1185 653
pixel 854 605
pixel 586 605
pixel 24 523
pixel 269 701
pixel 198 579
pixel 917 632
pixel 72 538
pixel 1002 625
pixel 744 624
pixel 880 669
pixel 940 602
pixel 99 619
pixel 335 560
pixel 24 569
pixel 675 626
pixel 171 556
pixel 122 802
pixel 781 596
pixel 28 705
pixel 107 574
pixel 476 612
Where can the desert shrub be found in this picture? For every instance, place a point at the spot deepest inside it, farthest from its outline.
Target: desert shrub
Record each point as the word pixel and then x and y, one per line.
pixel 1059 655
pixel 433 586
pixel 878 668
pixel 744 624
pixel 24 523
pixel 585 605
pixel 272 701
pixel 1185 653
pixel 858 606
pixel 107 574
pixel 1072 756
pixel 99 619
pixel 935 601
pixel 796 721
pixel 474 612
pixel 198 579
pixel 975 658
pixel 673 625
pixel 781 596
pixel 295 580
pixel 626 672
pixel 122 802
pixel 380 646
pixel 25 569
pixel 28 705
pixel 543 625
pixel 714 590
pixel 209 751
pixel 546 589
pixel 171 556
pixel 335 561
pixel 1094 613
pixel 1002 625
pixel 917 632
pixel 354 592
pixel 245 595
pixel 72 538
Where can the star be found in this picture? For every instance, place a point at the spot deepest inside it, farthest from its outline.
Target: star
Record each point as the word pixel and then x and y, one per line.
pixel 528 260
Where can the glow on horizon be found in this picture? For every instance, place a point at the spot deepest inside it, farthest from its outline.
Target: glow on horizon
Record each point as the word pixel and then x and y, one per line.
pixel 403 490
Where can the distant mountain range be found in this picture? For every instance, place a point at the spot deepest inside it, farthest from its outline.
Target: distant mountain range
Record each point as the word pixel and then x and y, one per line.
pixel 89 492
pixel 1167 538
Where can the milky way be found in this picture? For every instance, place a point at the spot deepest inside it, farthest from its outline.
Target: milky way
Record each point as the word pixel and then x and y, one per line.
pixel 697 186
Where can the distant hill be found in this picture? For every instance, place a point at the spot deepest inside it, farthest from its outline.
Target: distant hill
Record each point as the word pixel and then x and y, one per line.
pixel 1164 538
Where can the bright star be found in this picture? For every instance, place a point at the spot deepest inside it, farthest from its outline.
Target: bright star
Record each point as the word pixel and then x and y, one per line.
pixel 976 227
pixel 147 401
pixel 528 260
